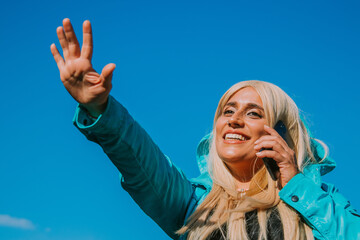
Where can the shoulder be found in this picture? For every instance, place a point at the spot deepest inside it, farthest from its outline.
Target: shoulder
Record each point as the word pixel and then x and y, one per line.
pixel 201 188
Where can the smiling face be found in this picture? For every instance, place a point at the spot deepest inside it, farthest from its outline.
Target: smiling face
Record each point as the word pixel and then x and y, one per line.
pixel 239 125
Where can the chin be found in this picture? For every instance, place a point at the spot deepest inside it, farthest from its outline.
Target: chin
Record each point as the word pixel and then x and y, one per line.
pixel 236 156
pixel 229 157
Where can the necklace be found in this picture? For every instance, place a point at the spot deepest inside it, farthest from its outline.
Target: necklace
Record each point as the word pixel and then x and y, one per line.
pixel 242 191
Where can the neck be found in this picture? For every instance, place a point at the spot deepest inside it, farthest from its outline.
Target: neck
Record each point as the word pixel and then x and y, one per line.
pixel 243 172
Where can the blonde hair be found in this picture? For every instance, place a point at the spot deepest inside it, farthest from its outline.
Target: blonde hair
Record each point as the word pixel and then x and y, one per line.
pixel 224 205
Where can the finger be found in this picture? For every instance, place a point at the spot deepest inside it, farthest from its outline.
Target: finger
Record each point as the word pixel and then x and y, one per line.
pixel 266 138
pixel 107 72
pixel 278 139
pixel 58 59
pixel 274 145
pixel 63 41
pixel 87 47
pixel 269 154
pixel 73 44
pixel 273 132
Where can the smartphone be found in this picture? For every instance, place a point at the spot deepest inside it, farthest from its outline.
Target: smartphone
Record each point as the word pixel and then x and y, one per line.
pixel 270 163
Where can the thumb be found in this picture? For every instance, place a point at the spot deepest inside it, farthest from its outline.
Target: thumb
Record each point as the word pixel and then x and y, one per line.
pixel 107 72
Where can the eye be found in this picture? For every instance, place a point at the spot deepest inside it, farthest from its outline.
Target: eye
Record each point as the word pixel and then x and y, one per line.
pixel 254 114
pixel 228 112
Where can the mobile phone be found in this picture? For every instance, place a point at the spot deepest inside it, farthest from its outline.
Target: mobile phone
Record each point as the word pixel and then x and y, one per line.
pixel 270 163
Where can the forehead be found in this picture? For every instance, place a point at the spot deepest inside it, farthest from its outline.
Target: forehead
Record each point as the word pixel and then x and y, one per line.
pixel 246 95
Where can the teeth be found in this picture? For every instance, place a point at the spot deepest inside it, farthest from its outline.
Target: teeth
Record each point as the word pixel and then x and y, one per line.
pixel 234 136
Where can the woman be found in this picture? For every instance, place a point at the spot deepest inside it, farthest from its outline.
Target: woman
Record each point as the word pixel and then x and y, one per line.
pixel 235 197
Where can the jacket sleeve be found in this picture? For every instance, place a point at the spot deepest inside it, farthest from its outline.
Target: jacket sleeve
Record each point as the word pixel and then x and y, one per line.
pixel 158 187
pixel 323 208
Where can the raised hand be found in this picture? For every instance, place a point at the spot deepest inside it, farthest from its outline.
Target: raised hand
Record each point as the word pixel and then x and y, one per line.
pixel 84 84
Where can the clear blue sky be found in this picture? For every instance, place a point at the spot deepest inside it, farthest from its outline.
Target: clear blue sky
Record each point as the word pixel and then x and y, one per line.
pixel 174 61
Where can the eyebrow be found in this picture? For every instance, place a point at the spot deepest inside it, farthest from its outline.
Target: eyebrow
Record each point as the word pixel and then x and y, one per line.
pixel 248 106
pixel 231 104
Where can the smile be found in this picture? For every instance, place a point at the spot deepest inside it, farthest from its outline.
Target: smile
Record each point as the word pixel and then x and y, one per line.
pixel 235 136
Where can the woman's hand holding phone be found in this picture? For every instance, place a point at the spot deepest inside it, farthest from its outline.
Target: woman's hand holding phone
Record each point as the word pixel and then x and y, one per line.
pixel 275 147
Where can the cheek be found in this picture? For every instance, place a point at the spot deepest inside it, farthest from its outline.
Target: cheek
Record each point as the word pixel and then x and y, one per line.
pixel 257 129
pixel 219 126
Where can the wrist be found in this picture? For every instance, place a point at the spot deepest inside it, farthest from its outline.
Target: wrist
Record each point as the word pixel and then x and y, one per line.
pixel 95 110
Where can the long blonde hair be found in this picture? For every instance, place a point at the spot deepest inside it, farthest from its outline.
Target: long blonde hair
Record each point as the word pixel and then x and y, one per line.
pixel 224 205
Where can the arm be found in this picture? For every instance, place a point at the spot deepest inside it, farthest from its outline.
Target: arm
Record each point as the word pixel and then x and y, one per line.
pixel 159 188
pixel 323 208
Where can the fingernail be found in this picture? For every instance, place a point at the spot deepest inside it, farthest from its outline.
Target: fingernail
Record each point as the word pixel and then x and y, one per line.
pixel 258 153
pixel 266 126
pixel 256 142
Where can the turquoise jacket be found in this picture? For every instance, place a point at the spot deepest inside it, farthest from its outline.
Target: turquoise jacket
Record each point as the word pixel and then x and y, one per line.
pixel 166 195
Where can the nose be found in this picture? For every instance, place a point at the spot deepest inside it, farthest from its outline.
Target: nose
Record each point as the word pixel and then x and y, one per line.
pixel 235 122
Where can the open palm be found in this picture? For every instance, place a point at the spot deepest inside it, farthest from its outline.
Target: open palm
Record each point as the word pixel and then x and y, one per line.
pixel 84 84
